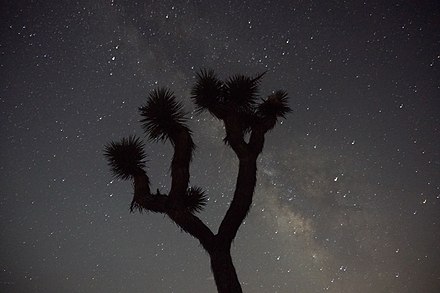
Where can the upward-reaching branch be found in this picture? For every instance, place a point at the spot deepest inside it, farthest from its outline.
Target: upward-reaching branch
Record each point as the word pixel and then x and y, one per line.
pixel 127 161
pixel 259 119
pixel 241 202
pixel 164 118
pixel 183 148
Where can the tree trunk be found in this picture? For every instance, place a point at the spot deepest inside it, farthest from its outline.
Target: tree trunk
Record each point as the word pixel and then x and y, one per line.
pixel 223 269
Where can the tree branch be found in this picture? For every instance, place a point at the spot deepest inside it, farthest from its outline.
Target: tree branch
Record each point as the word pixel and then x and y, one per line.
pixel 156 203
pixel 194 226
pixel 234 135
pixel 259 130
pixel 160 203
pixel 246 180
pixel 183 147
pixel 241 201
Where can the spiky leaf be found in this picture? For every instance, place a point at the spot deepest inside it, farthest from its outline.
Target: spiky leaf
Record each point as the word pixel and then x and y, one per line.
pixel 126 158
pixel 195 199
pixel 207 92
pixel 276 105
pixel 241 92
pixel 163 116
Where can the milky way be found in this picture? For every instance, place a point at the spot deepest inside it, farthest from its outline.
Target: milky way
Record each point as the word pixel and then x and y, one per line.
pixel 348 190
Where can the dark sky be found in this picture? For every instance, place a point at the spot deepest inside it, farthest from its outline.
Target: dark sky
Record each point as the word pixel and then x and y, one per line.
pixel 348 194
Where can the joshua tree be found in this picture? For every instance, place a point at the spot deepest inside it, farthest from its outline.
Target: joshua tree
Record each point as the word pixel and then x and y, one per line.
pixel 235 101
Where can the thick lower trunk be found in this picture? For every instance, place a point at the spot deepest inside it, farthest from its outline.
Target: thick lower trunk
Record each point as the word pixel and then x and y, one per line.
pixel 223 269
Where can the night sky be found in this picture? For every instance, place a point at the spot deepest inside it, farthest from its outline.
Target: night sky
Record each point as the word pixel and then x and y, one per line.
pixel 348 191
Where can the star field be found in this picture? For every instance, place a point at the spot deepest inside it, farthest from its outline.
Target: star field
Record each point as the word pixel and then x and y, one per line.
pixel 348 189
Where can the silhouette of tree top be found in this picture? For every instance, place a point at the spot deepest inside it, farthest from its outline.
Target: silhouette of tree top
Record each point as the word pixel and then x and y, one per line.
pixel 236 102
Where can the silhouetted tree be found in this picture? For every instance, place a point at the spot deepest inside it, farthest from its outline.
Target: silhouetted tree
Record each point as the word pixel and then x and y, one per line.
pixel 235 101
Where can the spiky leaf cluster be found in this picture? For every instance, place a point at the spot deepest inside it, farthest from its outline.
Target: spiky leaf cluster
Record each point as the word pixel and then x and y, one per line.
pixel 207 93
pixel 276 105
pixel 241 92
pixel 162 116
pixel 195 199
pixel 126 158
